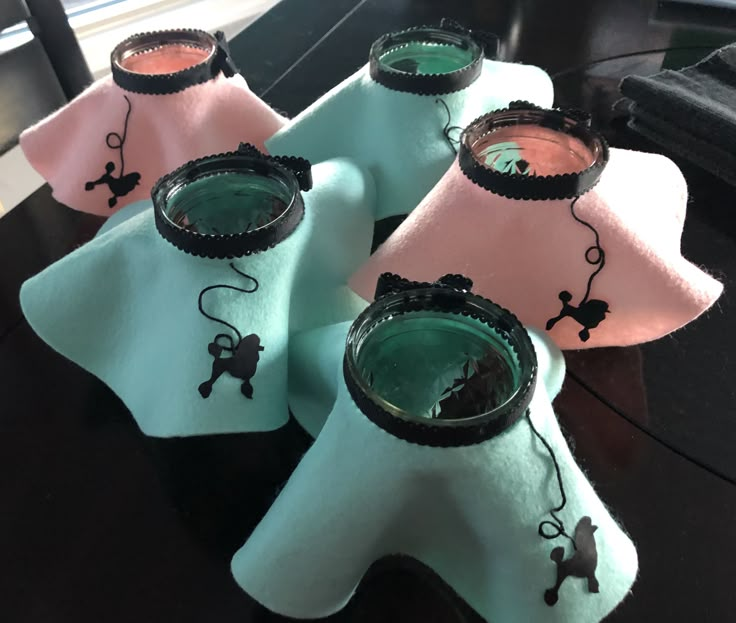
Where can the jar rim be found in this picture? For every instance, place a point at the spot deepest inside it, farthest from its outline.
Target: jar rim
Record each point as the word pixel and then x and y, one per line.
pixel 216 60
pixel 570 123
pixel 229 245
pixel 424 83
pixel 436 431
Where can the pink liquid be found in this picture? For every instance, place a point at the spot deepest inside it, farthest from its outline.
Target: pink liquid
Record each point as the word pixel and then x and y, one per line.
pixel 549 152
pixel 167 59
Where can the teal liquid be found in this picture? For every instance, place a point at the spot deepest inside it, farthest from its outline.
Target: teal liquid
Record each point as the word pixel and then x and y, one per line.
pixel 427 58
pixel 228 203
pixel 439 366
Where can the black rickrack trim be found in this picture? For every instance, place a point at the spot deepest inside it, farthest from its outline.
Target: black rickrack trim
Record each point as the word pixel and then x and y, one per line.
pixel 425 84
pixel 446 433
pixel 573 122
pixel 391 283
pixel 230 246
pixel 300 167
pixel 164 84
pixel 488 41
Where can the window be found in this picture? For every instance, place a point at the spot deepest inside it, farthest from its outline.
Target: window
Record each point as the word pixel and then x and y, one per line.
pixel 75 7
pixel 99 24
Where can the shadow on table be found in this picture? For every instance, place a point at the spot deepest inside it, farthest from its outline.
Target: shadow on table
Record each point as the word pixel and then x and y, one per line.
pixel 616 375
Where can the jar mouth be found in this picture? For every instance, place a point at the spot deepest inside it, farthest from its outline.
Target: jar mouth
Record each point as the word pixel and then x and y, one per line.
pixel 168 61
pixel 439 366
pixel 531 153
pixel 228 205
pixel 425 60
pixel 149 54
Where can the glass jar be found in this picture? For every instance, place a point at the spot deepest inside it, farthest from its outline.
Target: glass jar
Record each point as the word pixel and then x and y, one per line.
pixel 164 52
pixel 425 60
pixel 432 357
pixel 525 152
pixel 168 61
pixel 228 205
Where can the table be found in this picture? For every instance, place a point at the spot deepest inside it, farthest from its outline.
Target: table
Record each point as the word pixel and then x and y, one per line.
pixel 100 523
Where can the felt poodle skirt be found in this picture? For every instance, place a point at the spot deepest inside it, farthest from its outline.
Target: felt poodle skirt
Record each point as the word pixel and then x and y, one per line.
pixel 173 96
pixel 185 310
pixel 400 115
pixel 574 238
pixel 441 445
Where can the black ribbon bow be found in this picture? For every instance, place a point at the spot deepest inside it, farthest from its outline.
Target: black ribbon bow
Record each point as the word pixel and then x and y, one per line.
pixel 581 116
pixel 223 62
pixel 391 283
pixel 488 41
pixel 300 167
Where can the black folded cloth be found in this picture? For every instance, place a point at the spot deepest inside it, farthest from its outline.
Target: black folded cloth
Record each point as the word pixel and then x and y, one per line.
pixel 691 111
pixel 703 152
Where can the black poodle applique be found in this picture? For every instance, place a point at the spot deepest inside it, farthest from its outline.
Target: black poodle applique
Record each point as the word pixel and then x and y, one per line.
pixel 244 352
pixel 122 184
pixel 589 313
pixel 581 564
pixel 584 561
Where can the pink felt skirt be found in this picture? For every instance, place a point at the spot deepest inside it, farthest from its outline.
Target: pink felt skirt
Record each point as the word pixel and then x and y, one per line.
pixel 173 96
pixel 573 238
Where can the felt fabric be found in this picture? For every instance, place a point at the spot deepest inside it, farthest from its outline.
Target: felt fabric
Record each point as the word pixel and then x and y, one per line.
pixel 398 135
pixel 125 308
pixel 157 133
pixel 314 371
pixel 691 111
pixel 524 253
pixel 470 513
pixel 320 293
pixel 338 245
pixel 128 212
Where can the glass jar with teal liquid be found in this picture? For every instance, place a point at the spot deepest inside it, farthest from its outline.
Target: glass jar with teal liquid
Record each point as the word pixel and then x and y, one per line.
pixel 436 364
pixel 426 60
pixel 233 204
